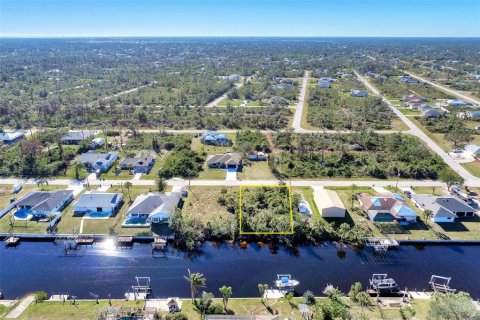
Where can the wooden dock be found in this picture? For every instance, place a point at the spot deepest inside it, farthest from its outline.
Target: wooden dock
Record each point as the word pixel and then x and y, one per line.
pixel 12 241
pixel 124 241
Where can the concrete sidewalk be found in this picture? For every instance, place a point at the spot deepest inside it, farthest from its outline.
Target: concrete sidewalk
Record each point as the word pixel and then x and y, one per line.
pixel 18 310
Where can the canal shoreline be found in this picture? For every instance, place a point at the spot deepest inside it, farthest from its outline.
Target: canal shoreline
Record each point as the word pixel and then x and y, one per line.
pixel 148 238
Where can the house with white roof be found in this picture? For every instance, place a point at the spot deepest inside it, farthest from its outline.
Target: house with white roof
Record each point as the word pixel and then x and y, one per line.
pixel 329 203
pixel 11 137
pixel 473 149
pixel 94 204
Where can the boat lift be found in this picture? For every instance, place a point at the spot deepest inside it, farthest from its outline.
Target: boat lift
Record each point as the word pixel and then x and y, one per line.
pixel 140 291
pixel 381 283
pixel 159 245
pixel 441 284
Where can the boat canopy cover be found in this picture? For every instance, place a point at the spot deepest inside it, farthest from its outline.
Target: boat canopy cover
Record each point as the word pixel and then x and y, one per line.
pixel 284 279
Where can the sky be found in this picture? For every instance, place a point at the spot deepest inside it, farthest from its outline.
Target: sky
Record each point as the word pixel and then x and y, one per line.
pixel 307 18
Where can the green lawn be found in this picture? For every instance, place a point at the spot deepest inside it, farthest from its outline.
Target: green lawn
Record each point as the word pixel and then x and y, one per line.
pixel 89 310
pixel 255 170
pixel 473 167
pixel 122 174
pixel 153 174
pixel 212 174
pixel 83 310
pixel 307 193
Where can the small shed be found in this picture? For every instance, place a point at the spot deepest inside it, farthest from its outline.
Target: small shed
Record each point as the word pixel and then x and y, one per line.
pixel 328 203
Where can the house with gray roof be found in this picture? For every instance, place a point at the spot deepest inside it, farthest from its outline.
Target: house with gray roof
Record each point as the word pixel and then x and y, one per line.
pixel 138 164
pixel 224 161
pixel 443 208
pixel 40 204
pixel 77 136
pixel 94 161
pixel 152 208
pixel 358 93
pixel 94 204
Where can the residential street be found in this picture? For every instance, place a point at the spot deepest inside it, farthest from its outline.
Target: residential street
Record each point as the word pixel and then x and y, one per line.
pixel 297 118
pixel 470 180
pixel 446 89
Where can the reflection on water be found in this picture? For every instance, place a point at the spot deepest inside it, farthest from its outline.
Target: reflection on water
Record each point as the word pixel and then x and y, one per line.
pixel 104 269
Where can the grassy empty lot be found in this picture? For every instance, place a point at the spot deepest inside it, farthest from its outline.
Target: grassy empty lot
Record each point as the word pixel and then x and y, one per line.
pixel 255 170
pixel 202 203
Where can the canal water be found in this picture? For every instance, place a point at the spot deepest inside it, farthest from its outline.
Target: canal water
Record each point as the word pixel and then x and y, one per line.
pixel 101 269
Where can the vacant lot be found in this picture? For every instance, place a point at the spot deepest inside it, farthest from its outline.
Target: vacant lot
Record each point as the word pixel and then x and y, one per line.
pixel 335 109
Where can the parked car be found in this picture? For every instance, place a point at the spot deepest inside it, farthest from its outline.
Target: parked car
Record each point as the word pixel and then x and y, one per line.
pixel 408 194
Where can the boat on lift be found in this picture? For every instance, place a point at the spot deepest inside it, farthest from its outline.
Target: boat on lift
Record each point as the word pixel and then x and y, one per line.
pixel 285 282
pixel 382 284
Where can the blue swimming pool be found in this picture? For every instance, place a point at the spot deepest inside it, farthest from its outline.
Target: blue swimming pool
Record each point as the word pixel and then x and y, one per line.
pixel 22 214
pixel 136 220
pixel 98 215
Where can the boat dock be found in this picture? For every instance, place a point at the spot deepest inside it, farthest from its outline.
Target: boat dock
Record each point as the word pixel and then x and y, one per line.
pixel 441 284
pixel 124 241
pixel 12 241
pixel 381 242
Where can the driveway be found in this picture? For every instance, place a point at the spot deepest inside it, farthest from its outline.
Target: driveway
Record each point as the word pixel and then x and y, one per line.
pixel 231 175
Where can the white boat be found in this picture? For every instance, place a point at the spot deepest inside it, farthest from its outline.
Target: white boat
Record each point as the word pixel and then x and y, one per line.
pixel 285 282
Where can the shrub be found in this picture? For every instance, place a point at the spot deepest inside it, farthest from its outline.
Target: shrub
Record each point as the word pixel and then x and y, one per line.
pixel 176 316
pixel 41 296
pixel 309 298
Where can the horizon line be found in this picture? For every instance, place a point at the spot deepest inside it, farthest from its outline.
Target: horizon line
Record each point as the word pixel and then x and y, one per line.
pixel 222 36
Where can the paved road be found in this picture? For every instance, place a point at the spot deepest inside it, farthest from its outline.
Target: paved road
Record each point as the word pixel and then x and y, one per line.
pixel 215 102
pixel 470 180
pixel 177 182
pixel 297 118
pixel 446 89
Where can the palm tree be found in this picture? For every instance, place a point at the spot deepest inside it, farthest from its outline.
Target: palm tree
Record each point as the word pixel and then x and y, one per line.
pixel 161 184
pixel 289 298
pixel 196 280
pixel 427 214
pixel 127 186
pixel 226 294
pixel 78 166
pixel 261 289
pixel 206 300
pixel 363 299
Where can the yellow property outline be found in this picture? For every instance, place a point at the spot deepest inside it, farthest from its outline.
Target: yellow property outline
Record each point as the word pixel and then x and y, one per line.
pixel 268 186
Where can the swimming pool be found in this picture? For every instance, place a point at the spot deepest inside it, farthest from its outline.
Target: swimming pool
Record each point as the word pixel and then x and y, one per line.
pixel 135 222
pixel 22 214
pixel 98 215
